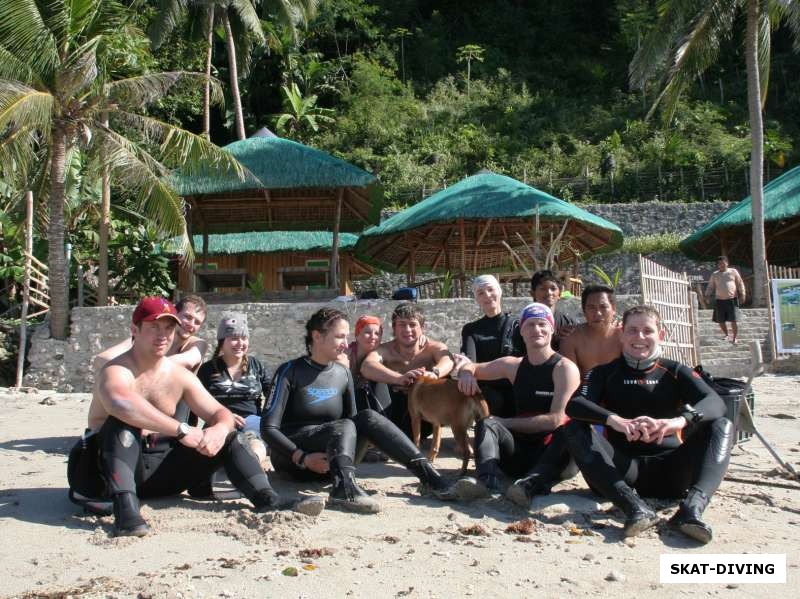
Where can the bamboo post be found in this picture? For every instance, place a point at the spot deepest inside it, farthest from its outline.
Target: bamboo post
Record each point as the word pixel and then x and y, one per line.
pixel 462 235
pixel 773 334
pixel 26 286
pixel 334 282
pixel 80 285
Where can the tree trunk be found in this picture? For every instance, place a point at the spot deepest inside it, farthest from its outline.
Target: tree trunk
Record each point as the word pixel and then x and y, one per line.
pixel 55 236
pixel 207 82
pixel 756 156
pixel 237 99
pixel 105 223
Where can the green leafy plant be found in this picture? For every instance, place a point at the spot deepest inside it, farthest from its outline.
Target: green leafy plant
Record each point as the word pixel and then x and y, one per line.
pixel 611 281
pixel 257 287
pixel 447 285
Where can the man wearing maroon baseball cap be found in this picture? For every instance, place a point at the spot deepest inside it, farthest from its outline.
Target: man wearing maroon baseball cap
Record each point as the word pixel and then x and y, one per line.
pixel 187 349
pixel 139 392
pixel 154 308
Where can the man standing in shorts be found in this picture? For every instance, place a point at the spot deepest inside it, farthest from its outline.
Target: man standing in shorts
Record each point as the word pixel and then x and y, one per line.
pixel 727 288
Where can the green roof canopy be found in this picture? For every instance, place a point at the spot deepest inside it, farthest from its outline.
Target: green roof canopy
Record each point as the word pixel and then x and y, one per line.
pixel 271 242
pixel 288 185
pixel 464 225
pixel 279 163
pixel 730 233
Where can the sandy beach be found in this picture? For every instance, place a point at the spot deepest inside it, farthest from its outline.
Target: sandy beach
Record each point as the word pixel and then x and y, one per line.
pixel 417 547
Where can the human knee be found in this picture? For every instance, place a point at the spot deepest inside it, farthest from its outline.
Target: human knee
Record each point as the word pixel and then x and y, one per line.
pixel 367 419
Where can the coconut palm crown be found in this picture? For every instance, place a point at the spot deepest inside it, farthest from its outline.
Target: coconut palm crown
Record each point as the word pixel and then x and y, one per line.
pixel 56 92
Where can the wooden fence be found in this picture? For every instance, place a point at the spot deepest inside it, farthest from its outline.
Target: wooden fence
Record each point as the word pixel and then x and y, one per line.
pixel 670 293
pixel 39 287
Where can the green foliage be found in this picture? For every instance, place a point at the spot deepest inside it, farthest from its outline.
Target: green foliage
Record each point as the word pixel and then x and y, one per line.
pixel 133 261
pixel 257 287
pixel 650 244
pixel 301 113
pixel 610 280
pixel 447 285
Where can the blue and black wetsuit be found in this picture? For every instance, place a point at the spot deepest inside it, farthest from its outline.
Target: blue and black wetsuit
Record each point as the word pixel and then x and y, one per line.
pixel 698 456
pixel 518 454
pixel 312 407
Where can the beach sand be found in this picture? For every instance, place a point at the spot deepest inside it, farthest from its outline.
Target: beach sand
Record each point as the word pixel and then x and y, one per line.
pixel 416 547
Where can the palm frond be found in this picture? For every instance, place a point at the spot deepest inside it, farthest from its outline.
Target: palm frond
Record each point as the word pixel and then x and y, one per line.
pixel 15 69
pixel 764 51
pixel 138 92
pixel 696 51
pixel 139 174
pixel 791 14
pixel 170 14
pixel 192 154
pixel 244 11
pixel 24 33
pixel 24 108
pixel 657 44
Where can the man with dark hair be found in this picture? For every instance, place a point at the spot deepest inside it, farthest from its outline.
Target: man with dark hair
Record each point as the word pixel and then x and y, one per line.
pixel 139 392
pixel 187 350
pixel 410 355
pixel 599 339
pixel 727 288
pixel 546 289
pixel 666 434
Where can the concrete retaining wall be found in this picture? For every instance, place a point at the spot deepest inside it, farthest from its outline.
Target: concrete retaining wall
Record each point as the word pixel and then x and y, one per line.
pixel 276 333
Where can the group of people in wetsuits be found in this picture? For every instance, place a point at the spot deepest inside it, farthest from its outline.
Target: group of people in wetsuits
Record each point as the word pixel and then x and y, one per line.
pixel 595 397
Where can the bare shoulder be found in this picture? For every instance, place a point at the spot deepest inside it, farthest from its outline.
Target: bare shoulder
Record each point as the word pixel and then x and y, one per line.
pixel 384 350
pixel 567 367
pixel 432 345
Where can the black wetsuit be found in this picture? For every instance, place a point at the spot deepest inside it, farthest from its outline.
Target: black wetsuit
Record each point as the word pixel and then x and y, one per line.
pixel 156 466
pixel 487 339
pixel 242 397
pixel 697 457
pixel 561 321
pixel 312 407
pixel 519 454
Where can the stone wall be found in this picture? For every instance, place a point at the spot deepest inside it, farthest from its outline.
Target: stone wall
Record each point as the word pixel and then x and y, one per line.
pixel 276 333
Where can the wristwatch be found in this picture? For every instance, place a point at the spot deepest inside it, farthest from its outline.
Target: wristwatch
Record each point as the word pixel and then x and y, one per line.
pixel 691 415
pixel 183 430
pixel 435 371
pixel 301 463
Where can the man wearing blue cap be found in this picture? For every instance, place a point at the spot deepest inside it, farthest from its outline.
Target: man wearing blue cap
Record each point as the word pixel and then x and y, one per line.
pixel 529 444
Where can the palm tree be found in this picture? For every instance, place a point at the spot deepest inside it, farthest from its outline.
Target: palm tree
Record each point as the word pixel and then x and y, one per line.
pixel 55 93
pixel 301 112
pixel 243 33
pixel 686 39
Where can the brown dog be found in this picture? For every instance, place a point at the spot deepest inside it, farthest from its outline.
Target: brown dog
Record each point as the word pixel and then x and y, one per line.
pixel 441 403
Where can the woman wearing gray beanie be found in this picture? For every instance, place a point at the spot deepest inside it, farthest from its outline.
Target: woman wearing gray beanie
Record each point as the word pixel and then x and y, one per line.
pixel 235 379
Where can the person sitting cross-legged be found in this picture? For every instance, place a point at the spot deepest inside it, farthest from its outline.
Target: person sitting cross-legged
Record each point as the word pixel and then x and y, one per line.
pixel 666 434
pixel 530 443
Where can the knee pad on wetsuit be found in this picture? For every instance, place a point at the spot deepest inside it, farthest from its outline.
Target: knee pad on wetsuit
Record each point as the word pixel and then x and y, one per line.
pixel 343 439
pixel 722 438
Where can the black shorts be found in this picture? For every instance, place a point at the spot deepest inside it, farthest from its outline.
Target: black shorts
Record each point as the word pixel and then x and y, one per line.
pixel 725 311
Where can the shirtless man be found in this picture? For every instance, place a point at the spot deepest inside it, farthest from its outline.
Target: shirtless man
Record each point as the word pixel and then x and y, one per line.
pixel 727 288
pixel 187 350
pixel 409 356
pixel 599 339
pixel 139 391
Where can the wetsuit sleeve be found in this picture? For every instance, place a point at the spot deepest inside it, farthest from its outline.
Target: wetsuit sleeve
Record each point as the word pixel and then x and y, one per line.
pixel 517 343
pixel 699 394
pixel 272 416
pixel 468 344
pixel 585 403
pixel 204 374
pixel 349 400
